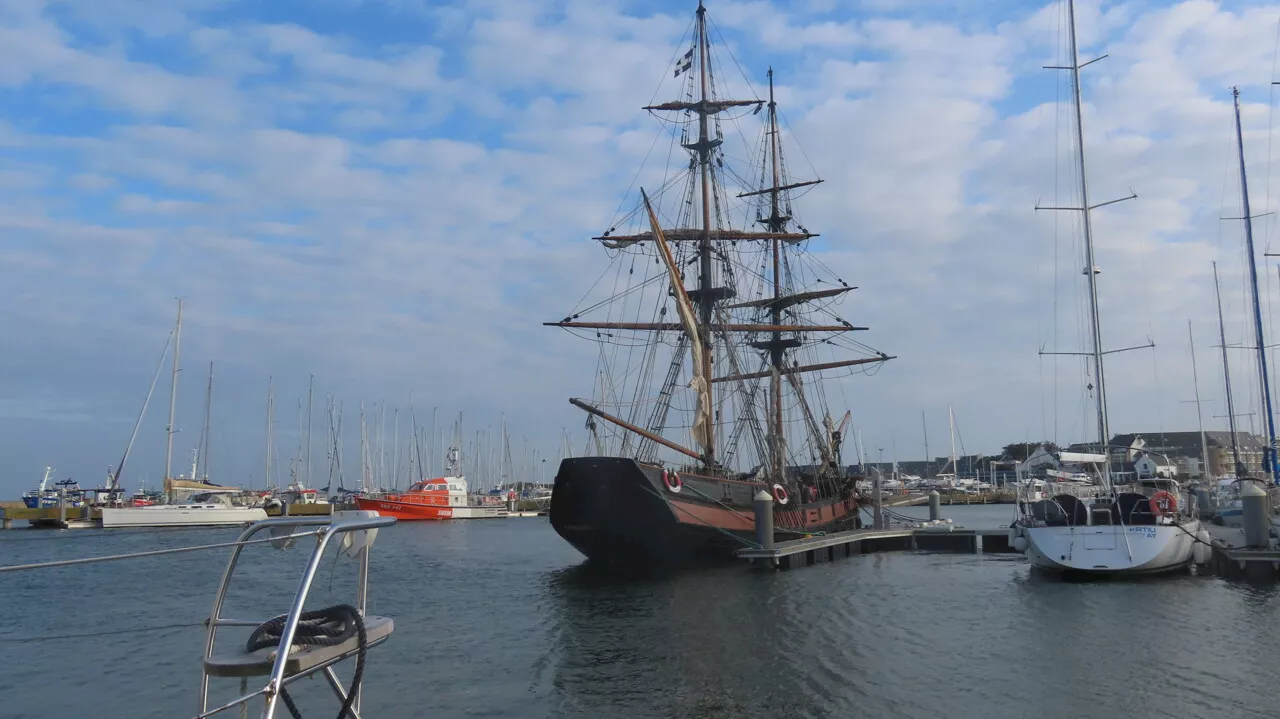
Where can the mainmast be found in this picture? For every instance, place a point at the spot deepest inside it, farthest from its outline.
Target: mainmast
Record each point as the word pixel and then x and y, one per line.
pixel 173 395
pixel 776 224
pixel 706 297
pixel 1269 454
pixel 1090 268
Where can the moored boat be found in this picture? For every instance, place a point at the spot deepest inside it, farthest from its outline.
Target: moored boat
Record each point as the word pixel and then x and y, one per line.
pixel 208 509
pixel 439 498
pixel 617 510
pixel 41 496
pixel 1111 531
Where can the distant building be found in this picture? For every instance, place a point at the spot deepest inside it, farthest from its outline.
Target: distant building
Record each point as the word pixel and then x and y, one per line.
pixel 1184 451
pixel 1037 462
pixel 1150 465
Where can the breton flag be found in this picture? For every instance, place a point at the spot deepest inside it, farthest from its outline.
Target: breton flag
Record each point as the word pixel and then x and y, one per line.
pixel 684 63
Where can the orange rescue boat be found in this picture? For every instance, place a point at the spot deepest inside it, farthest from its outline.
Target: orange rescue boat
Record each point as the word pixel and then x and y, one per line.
pixel 439 498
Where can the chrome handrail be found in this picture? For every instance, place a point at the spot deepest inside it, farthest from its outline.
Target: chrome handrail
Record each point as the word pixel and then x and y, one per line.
pixel 277 678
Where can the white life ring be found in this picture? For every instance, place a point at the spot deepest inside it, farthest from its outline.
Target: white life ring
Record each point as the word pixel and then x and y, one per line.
pixel 672 481
pixel 780 494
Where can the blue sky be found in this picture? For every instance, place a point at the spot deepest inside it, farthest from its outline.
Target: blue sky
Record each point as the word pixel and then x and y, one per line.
pixel 393 195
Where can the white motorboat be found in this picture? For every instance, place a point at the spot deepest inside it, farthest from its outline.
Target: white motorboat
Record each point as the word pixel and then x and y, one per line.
pixel 209 509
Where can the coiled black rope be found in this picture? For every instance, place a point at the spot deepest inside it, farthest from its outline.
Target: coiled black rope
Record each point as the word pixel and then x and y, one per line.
pixel 318 628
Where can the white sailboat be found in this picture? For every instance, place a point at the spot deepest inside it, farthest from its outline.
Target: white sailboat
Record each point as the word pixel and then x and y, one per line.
pixel 209 505
pixel 1113 532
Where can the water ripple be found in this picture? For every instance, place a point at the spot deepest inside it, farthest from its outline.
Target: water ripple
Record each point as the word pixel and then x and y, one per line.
pixel 501 619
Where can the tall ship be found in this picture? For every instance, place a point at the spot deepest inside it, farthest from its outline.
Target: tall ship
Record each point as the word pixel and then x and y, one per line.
pixel 720 344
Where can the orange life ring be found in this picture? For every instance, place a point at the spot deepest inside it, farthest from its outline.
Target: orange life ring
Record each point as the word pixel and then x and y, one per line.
pixel 1163 503
pixel 672 480
pixel 780 494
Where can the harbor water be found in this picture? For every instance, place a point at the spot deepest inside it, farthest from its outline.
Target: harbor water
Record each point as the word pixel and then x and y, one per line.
pixel 500 619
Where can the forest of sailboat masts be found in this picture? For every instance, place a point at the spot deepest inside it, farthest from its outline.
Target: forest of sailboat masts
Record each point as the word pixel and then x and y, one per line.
pixel 398 445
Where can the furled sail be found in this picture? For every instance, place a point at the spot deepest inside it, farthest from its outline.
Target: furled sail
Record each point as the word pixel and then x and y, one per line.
pixel 179 485
pixel 701 383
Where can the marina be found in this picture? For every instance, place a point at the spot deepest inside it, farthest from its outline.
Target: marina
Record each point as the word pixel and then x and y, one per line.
pixel 673 297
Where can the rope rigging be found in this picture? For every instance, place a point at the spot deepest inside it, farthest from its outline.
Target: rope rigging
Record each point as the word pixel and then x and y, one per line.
pixel 730 279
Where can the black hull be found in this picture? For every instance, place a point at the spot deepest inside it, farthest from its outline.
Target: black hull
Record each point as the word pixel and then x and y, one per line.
pixel 618 512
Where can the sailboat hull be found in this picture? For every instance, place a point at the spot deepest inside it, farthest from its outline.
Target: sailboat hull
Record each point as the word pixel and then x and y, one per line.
pixel 180 515
pixel 1112 549
pixel 617 511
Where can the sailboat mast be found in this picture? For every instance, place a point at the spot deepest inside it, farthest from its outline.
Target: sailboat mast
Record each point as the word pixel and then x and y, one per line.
pixel 1226 376
pixel 706 295
pixel 925 426
pixel 955 466
pixel 311 380
pixel 415 456
pixel 1090 268
pixel 173 395
pixel 1195 383
pixel 775 348
pixel 207 432
pixel 268 474
pixel 1269 454
pixel 364 451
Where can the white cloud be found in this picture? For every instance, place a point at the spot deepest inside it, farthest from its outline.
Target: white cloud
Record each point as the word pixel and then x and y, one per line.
pixel 395 217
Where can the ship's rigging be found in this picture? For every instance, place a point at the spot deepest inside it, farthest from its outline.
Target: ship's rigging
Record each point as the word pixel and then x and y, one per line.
pixel 727 330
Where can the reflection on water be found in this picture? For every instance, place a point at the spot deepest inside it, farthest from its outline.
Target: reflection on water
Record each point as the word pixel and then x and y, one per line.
pixel 502 619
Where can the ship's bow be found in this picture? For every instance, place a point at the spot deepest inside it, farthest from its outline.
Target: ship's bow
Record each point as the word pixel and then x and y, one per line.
pixel 609 509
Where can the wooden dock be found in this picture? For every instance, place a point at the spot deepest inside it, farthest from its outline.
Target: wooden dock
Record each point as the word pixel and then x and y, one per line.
pixel 827 547
pixel 1233 560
